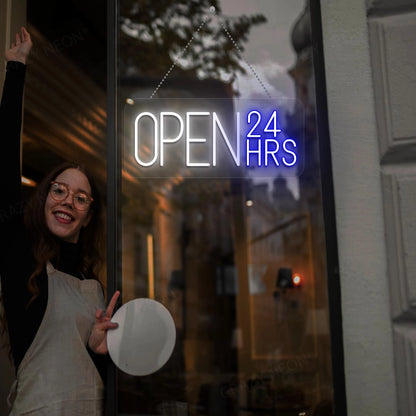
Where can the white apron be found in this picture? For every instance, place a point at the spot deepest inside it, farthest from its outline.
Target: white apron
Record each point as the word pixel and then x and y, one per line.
pixel 57 377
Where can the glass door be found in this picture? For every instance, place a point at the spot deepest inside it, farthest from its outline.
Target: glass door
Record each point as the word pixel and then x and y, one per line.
pixel 220 205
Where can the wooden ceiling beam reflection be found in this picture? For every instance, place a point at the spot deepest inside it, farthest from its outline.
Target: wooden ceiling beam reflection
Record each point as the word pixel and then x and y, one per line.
pixel 65 112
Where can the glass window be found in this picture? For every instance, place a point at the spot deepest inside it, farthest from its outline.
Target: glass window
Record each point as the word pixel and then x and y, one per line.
pixel 236 252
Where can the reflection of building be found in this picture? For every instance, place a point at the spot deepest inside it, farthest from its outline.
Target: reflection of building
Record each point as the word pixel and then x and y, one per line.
pixel 189 221
pixel 283 199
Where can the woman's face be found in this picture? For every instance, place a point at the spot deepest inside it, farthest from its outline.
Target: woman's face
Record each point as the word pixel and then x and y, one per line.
pixel 63 219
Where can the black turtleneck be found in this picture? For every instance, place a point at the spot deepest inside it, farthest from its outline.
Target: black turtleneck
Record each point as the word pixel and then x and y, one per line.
pixel 16 258
pixel 69 259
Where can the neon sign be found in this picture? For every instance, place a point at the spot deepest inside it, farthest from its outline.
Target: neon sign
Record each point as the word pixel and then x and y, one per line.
pixel 208 135
pixel 262 146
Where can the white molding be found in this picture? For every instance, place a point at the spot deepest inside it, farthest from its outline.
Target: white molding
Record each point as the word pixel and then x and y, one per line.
pixel 405 348
pixel 388 5
pixel 395 142
pixel 398 222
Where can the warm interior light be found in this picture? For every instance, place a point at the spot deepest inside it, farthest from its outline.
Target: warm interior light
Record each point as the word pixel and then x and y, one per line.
pixel 150 263
pixel 28 182
pixel 129 101
pixel 249 203
pixel 297 279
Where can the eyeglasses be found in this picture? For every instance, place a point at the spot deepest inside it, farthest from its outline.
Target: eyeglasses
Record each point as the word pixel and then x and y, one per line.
pixel 59 192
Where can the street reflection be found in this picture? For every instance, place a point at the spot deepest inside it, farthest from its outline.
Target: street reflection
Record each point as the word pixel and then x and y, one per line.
pixel 238 261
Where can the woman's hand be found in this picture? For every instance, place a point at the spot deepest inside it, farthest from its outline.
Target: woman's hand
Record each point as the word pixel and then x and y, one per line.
pixel 21 48
pixel 98 337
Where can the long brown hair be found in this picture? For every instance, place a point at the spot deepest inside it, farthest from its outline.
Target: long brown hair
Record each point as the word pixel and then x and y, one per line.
pixel 45 245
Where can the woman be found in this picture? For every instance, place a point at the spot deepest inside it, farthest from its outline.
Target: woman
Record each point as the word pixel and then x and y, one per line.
pixel 48 266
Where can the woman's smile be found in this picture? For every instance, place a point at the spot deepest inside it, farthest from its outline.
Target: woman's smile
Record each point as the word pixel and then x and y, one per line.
pixel 63 217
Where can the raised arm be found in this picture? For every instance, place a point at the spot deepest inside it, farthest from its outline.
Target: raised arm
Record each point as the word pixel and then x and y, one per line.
pixel 11 209
pixel 10 126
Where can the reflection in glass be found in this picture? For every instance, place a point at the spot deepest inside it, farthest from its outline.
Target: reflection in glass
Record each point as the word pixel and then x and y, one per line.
pixel 239 261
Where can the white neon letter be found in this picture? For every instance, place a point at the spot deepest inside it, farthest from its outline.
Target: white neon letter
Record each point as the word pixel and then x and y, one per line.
pixel 216 122
pixel 162 131
pixel 250 133
pixel 193 139
pixel 288 151
pixel 273 119
pixel 136 139
pixel 249 151
pixel 272 153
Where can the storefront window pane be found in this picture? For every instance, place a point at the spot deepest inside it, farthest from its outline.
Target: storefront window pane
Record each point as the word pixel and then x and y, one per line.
pixel 239 259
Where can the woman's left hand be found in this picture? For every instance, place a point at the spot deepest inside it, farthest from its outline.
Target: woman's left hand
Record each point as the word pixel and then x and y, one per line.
pixel 20 49
pixel 98 337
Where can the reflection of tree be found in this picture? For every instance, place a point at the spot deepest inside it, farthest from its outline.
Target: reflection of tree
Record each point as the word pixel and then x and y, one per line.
pixel 154 34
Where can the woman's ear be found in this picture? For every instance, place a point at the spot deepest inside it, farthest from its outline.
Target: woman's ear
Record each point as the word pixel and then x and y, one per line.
pixel 88 218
